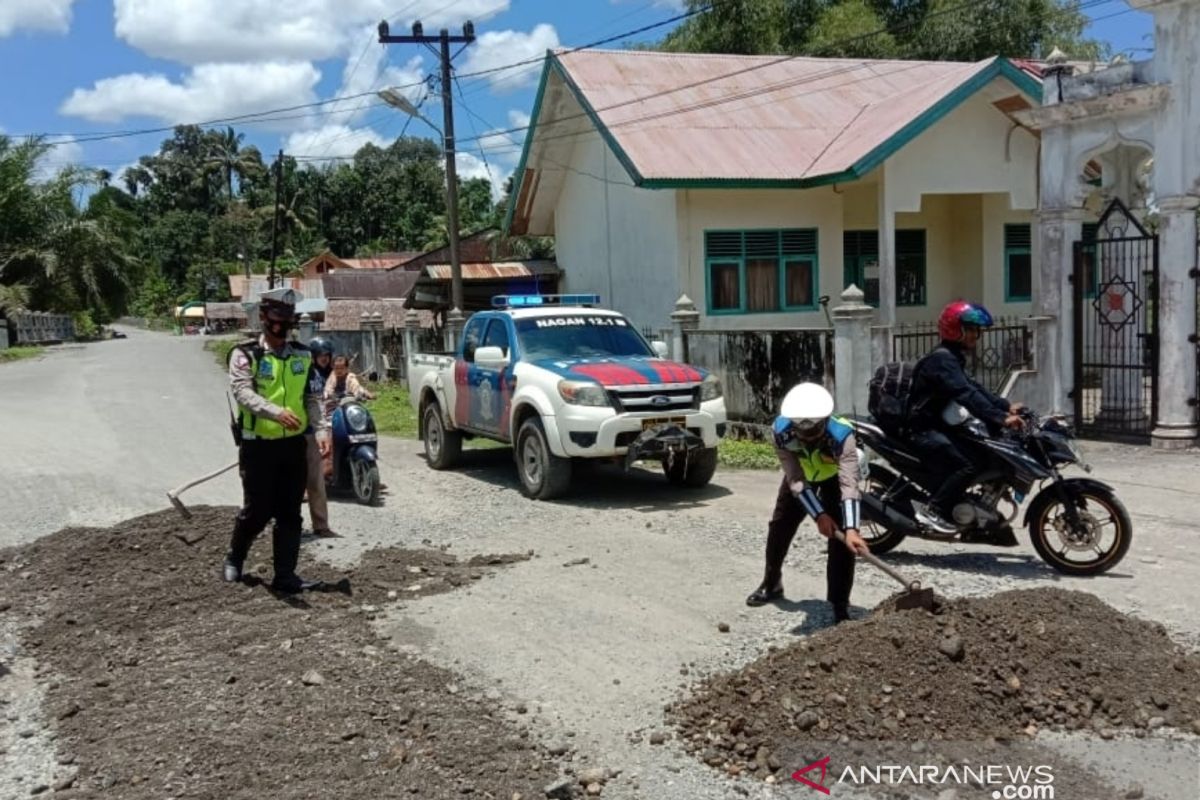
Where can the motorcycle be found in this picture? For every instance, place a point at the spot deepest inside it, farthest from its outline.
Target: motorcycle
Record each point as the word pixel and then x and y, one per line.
pixel 355 456
pixel 1077 525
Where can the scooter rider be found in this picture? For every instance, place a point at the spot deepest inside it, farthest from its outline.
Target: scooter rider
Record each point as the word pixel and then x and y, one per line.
pixel 272 382
pixel 318 504
pixel 939 380
pixel 820 463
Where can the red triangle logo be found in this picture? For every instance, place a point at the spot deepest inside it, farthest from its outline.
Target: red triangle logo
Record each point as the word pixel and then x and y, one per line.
pixel 798 775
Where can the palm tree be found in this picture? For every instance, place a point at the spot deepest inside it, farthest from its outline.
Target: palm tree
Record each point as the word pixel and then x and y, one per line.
pixel 227 156
pixel 104 178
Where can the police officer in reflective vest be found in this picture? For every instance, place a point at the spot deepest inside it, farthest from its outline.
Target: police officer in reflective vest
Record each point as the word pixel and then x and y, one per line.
pixel 820 465
pixel 272 382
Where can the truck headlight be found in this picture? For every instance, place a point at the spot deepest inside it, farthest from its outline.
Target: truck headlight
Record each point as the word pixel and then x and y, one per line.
pixel 710 388
pixel 583 393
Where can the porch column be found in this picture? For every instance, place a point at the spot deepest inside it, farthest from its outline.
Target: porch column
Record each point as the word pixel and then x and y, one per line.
pixel 852 351
pixel 1176 323
pixel 881 333
pixel 1057 231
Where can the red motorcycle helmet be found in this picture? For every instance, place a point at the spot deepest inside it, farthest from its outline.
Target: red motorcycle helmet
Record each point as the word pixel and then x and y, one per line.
pixel 960 313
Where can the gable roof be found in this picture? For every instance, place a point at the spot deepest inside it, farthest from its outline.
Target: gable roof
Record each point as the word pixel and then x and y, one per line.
pixel 695 120
pixel 368 284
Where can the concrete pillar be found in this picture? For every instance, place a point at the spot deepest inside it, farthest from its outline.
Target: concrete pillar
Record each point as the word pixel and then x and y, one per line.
pixel 1057 231
pixel 412 325
pixel 852 351
pixel 372 339
pixel 1176 323
pixel 455 322
pixel 684 318
pixel 307 328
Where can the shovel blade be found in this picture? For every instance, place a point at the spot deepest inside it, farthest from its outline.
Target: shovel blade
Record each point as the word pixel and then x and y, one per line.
pixel 915 598
pixel 179 506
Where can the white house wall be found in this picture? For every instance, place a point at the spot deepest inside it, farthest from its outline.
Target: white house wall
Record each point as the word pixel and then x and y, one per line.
pixel 972 149
pixel 616 240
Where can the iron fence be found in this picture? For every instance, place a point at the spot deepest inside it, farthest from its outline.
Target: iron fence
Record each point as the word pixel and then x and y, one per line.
pixel 1002 348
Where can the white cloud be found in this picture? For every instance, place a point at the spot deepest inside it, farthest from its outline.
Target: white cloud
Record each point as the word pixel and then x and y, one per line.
pixel 64 154
pixel 501 48
pixel 210 91
pixel 675 5
pixel 504 145
pixel 331 141
pixel 370 73
pixel 202 31
pixel 471 166
pixel 41 15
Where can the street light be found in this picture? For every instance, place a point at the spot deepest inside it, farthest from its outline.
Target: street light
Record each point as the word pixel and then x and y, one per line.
pixel 396 99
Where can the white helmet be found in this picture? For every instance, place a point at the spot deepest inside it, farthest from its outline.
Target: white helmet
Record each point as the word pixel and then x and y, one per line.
pixel 808 406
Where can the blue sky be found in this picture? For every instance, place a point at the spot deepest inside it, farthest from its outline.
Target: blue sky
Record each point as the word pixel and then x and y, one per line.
pixel 90 67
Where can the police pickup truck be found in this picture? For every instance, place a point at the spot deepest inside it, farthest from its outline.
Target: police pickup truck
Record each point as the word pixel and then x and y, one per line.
pixel 560 379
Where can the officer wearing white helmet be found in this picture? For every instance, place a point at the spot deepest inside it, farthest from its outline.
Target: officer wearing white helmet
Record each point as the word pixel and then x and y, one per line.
pixel 278 403
pixel 820 465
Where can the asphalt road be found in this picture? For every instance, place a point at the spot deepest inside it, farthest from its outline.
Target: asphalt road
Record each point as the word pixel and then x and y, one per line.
pixel 97 433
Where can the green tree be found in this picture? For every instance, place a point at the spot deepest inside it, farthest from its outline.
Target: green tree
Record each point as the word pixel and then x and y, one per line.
pixel 229 159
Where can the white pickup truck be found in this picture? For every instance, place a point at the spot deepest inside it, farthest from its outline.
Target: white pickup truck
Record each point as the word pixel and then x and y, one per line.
pixel 560 379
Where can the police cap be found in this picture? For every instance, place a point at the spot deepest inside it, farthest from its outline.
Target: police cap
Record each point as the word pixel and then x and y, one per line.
pixel 280 297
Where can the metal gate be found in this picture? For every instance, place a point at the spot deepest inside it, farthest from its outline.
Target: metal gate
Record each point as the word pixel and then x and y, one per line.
pixel 1116 339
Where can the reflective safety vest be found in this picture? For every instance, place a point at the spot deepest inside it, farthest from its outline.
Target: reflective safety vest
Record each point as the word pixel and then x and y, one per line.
pixel 819 462
pixel 282 381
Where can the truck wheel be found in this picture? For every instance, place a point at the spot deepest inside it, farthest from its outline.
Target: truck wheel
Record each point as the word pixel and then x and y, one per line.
pixel 442 447
pixel 695 471
pixel 544 475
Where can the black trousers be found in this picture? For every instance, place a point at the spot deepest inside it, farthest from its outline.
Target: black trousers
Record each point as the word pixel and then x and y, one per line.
pixel 785 521
pixel 274 474
pixel 958 468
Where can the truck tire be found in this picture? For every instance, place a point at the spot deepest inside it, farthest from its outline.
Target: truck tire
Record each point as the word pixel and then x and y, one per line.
pixel 695 471
pixel 442 447
pixel 543 475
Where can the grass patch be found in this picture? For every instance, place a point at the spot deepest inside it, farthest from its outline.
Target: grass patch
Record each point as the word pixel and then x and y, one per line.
pixel 20 353
pixel 391 410
pixel 745 454
pixel 220 349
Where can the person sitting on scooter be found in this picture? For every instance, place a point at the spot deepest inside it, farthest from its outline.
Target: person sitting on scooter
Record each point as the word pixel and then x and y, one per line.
pixel 940 378
pixel 820 464
pixel 344 382
pixel 318 503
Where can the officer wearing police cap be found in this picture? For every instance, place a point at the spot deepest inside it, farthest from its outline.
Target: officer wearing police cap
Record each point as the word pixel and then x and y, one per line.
pixel 272 382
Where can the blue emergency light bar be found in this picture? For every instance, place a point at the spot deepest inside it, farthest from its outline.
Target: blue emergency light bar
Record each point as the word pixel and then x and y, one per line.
pixel 533 300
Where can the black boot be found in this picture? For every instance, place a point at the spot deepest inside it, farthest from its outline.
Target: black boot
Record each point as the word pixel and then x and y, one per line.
pixel 841 613
pixel 286 549
pixel 232 571
pixel 769 590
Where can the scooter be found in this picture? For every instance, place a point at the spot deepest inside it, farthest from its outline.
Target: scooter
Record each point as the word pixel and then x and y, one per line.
pixel 355 453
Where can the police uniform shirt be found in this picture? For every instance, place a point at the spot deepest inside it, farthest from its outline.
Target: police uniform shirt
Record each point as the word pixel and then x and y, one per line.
pixel 241 379
pixel 803 464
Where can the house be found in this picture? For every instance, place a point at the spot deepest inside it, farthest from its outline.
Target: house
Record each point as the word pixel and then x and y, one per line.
pixel 481 282
pixel 758 185
pixel 326 263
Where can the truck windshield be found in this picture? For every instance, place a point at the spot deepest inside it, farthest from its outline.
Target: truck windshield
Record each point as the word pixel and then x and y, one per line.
pixel 579 336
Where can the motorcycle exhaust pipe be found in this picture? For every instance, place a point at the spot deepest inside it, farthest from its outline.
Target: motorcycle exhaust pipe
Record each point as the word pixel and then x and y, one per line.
pixel 885 514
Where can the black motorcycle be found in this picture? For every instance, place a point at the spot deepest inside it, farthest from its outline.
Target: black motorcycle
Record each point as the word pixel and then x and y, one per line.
pixel 1077 525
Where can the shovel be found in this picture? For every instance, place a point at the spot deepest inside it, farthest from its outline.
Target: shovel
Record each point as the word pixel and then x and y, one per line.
pixel 914 597
pixel 173 495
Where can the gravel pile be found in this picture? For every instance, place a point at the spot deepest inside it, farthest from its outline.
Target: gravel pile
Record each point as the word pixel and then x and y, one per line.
pixel 995 668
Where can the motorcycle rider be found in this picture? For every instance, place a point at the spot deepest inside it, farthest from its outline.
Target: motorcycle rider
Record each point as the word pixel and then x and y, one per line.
pixel 318 503
pixel 820 464
pixel 940 379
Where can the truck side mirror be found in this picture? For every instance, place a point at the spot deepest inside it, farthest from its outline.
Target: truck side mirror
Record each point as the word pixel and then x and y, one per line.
pixel 660 348
pixel 491 357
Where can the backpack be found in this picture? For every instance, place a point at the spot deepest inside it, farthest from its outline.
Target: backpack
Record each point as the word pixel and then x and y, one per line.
pixel 888 395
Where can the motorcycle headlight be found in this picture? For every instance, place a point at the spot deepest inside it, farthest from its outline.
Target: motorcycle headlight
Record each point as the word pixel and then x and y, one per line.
pixel 710 388
pixel 357 418
pixel 583 393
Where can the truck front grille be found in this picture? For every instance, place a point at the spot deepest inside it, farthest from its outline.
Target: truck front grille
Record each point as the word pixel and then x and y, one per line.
pixel 656 401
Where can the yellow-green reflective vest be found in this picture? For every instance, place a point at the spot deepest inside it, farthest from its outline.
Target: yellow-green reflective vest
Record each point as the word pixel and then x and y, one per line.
pixel 821 462
pixel 282 381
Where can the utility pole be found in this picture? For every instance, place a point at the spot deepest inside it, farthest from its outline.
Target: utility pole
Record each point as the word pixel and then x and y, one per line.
pixel 444 40
pixel 275 220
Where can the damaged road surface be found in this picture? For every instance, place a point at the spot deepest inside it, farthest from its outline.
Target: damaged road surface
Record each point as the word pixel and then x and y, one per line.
pixel 161 681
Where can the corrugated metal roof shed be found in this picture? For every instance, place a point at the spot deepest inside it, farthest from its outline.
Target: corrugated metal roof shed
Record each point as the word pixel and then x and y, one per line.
pixel 369 284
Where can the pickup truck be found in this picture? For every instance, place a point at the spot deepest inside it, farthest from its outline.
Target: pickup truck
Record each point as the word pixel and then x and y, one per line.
pixel 560 379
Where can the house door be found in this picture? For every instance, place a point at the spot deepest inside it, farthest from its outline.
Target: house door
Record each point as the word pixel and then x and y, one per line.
pixel 1115 288
pixel 860 254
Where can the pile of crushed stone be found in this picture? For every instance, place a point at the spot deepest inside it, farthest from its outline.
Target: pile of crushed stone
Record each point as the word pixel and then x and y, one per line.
pixel 163 681
pixel 999 668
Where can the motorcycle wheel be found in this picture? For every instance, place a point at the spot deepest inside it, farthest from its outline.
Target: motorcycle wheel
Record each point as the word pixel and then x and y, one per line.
pixel 878 537
pixel 365 478
pixel 1099 510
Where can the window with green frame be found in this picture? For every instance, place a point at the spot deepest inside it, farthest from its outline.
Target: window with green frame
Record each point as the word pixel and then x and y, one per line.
pixel 860 263
pixel 1018 263
pixel 756 271
pixel 910 267
pixel 1091 265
